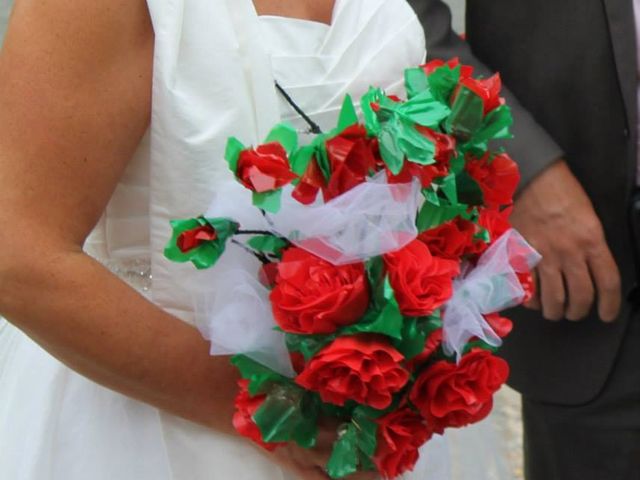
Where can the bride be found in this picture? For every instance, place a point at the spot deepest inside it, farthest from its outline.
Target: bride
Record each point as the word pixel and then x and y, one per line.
pixel 113 120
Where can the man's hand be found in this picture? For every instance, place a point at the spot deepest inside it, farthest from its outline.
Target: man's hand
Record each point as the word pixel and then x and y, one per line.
pixel 555 215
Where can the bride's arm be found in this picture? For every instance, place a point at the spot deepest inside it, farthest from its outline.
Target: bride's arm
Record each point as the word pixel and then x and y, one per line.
pixel 75 95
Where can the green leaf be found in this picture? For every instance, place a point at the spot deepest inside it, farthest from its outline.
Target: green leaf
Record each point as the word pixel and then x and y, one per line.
pixel 448 186
pixel 308 345
pixel 344 458
pixel 348 115
pixel 363 420
pixel 457 164
pixel 285 135
pixel 466 116
pixel 387 322
pixel 431 216
pixel 415 81
pixel 390 150
pixel 207 254
pixel 260 377
pixel 288 414
pixel 322 158
pixel 299 161
pixel 232 153
pixel 268 201
pixel 373 95
pixel 356 445
pixel 431 196
pixel 376 276
pixel 415 333
pixel 423 109
pixel 443 82
pixel 268 244
pixel 469 192
pixel 496 125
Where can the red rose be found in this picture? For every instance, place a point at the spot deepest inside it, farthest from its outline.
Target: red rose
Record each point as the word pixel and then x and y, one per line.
pixel 488 89
pixel 499 324
pixel 362 368
pixel 450 240
pixel 264 168
pixel 465 70
pixel 352 157
pixel 400 434
pixel 246 407
pixel 313 296
pixel 497 176
pixel 496 222
pixel 450 395
pixel 430 346
pixel 190 239
pixel 420 281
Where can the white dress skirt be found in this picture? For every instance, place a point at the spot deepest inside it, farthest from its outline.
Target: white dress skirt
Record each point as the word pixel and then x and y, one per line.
pixel 215 64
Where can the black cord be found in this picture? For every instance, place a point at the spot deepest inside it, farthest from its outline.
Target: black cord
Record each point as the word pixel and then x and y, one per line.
pixel 314 127
pixel 263 258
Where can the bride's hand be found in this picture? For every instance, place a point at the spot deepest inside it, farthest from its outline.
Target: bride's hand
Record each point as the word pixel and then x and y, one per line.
pixel 309 464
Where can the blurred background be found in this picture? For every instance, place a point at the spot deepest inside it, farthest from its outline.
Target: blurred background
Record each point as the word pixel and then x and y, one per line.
pixel 457 7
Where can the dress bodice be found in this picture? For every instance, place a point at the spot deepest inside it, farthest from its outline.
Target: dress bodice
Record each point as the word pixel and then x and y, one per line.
pixel 214 71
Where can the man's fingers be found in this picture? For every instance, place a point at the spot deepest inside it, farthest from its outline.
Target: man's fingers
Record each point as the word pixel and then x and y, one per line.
pixel 551 292
pixel 606 277
pixel 579 286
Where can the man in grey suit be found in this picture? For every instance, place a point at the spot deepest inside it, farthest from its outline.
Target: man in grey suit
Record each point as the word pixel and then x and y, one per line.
pixel 575 354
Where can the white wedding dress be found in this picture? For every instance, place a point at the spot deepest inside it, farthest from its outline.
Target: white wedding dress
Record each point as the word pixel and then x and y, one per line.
pixel 215 64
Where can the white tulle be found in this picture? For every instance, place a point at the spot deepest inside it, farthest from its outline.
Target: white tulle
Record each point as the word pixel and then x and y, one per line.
pixel 489 287
pixel 371 219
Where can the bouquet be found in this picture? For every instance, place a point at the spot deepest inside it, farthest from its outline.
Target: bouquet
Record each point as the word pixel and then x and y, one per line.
pixel 386 258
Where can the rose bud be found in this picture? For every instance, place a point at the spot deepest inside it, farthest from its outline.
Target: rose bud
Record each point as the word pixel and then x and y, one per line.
pixel 264 168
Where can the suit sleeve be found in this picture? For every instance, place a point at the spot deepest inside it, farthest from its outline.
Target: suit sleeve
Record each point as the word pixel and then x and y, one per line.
pixel 532 148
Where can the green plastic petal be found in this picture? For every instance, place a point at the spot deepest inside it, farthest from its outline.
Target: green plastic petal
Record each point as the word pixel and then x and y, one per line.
pixel 268 201
pixel 344 458
pixel 448 186
pixel 415 81
pixel 260 377
pixel 469 192
pixel 443 81
pixel 232 153
pixel 496 125
pixel 288 414
pixel 466 116
pixel 299 161
pixel 268 244
pixel 374 95
pixel 348 115
pixel 415 333
pixel 308 345
pixel 431 216
pixel 286 135
pixel 423 109
pixel 387 322
pixel 356 445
